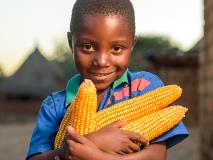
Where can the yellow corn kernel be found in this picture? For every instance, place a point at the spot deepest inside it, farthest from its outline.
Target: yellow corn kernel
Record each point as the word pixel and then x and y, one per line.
pixel 139 106
pixel 157 123
pixel 80 112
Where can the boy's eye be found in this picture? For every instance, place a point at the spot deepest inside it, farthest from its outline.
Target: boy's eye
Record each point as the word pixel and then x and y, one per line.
pixel 116 49
pixel 88 47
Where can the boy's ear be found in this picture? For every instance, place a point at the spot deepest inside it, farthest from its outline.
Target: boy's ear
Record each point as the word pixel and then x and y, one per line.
pixel 134 42
pixel 69 37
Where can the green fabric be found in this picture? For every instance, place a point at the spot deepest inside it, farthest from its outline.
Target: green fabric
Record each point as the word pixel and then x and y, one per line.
pixel 74 83
pixel 120 80
pixel 72 88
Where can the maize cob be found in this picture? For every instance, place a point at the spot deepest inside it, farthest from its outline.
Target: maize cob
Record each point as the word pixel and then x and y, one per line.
pixel 157 123
pixel 80 112
pixel 86 106
pixel 139 106
pixel 67 121
pixel 84 119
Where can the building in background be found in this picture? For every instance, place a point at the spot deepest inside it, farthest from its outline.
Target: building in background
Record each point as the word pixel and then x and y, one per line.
pixel 36 78
pixel 206 85
pixel 22 93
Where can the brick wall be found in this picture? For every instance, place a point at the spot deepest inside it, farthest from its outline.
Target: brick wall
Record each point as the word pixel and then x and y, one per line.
pixel 206 85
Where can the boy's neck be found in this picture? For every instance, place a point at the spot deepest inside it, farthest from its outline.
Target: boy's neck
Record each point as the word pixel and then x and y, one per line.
pixel 100 95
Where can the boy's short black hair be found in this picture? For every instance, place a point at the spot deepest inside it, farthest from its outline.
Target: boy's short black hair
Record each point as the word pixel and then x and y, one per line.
pixel 103 7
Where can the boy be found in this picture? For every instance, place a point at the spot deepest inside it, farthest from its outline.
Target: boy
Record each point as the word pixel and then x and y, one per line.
pixel 102 39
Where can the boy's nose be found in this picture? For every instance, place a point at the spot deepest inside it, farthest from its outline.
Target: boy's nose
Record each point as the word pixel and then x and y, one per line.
pixel 101 60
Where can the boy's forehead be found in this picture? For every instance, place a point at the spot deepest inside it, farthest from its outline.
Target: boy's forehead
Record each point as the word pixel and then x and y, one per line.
pixel 121 8
pixel 99 24
pixel 109 19
pixel 102 20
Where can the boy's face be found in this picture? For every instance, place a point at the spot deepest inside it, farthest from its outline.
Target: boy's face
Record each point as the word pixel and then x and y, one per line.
pixel 102 47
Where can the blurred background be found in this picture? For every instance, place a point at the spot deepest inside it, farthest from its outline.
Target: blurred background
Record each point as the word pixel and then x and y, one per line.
pixel 175 41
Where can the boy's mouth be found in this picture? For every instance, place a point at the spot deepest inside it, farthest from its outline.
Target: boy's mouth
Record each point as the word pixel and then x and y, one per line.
pixel 100 76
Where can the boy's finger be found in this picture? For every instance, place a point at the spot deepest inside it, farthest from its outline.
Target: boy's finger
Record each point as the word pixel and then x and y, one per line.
pixel 75 135
pixel 134 147
pixel 117 124
pixel 135 137
pixel 75 149
pixel 127 151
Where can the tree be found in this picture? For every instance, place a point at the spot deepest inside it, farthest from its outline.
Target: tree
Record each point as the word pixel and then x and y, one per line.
pixel 147 45
pixel 62 55
pixel 1 72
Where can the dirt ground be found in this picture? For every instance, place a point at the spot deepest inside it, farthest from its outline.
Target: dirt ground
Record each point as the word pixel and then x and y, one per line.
pixel 14 141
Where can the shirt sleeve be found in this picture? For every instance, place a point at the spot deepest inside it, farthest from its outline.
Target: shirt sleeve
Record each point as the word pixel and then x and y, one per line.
pixel 173 136
pixel 43 136
pixel 178 132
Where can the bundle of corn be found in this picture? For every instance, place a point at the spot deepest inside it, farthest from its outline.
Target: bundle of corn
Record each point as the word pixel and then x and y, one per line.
pixel 144 114
pixel 134 108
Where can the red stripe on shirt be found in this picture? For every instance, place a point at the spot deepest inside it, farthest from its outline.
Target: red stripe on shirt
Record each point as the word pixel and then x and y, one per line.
pixel 137 84
pixel 143 84
pixel 134 85
pixel 123 93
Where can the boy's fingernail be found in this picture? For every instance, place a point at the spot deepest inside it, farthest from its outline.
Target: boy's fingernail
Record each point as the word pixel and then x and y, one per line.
pixel 70 129
pixel 124 122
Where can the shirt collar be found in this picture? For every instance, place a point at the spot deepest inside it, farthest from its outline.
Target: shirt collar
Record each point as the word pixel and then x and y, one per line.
pixel 72 88
pixel 123 79
pixel 74 83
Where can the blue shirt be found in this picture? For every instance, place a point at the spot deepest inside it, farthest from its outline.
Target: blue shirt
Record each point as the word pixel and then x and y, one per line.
pixel 129 85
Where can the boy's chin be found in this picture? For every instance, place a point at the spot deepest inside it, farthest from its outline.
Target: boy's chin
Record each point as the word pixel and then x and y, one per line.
pixel 101 87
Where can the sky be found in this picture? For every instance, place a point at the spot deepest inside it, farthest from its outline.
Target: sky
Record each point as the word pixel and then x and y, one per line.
pixel 25 23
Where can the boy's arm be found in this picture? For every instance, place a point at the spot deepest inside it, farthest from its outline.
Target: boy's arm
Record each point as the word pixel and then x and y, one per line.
pixel 42 140
pixel 111 135
pixel 51 155
pixel 84 149
pixel 156 151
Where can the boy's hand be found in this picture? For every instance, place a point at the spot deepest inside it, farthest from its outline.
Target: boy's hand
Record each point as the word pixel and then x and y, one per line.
pixel 112 139
pixel 78 147
pixel 66 147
